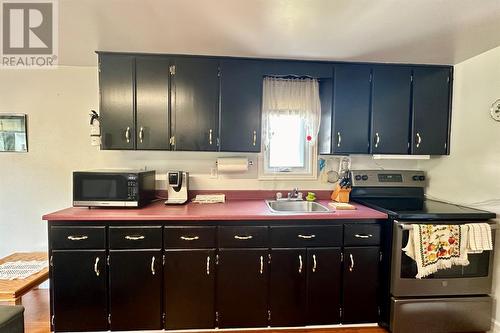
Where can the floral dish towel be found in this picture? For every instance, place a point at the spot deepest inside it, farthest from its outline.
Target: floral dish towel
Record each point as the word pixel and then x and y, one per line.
pixel 435 247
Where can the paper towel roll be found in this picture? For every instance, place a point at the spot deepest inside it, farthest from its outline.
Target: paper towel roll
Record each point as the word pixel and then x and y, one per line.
pixel 232 164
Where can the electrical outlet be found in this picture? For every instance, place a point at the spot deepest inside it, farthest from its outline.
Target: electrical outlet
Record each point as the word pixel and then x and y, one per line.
pixel 213 173
pixel 495 110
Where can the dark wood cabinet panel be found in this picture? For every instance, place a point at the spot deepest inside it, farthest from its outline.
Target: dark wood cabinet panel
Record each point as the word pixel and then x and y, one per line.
pixel 195 103
pixel 152 103
pixel 190 289
pixel 76 237
pixel 135 280
pixel 324 276
pixel 242 288
pixel 325 129
pixel 132 237
pixel 287 293
pixel 361 273
pixel 351 109
pixel 79 290
pixel 431 110
pixel 241 104
pixel 297 68
pixel 116 113
pixel 391 88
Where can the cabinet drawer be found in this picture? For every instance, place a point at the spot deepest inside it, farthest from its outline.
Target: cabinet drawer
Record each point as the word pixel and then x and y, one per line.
pixel 78 237
pixel 306 236
pixel 189 237
pixel 240 236
pixel 361 234
pixel 148 237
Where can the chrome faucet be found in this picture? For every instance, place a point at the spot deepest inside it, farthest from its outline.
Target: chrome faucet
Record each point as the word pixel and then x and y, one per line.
pixel 295 194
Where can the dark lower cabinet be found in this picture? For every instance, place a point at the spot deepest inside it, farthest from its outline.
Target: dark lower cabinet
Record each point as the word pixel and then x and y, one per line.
pixel 190 289
pixel 361 272
pixel 431 110
pixel 287 295
pixel 242 287
pixel 135 281
pixel 324 276
pixel 79 290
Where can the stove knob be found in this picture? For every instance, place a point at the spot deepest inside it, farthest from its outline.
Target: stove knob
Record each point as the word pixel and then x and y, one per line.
pixel 421 178
pixel 364 177
pixel 415 178
pixel 358 177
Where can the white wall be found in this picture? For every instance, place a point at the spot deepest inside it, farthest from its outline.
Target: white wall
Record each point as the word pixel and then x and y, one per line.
pixel 57 103
pixel 471 174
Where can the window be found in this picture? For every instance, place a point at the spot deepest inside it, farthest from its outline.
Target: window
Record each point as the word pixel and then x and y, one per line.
pixel 291 116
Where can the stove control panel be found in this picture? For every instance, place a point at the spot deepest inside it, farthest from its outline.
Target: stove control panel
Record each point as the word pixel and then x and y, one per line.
pixel 388 178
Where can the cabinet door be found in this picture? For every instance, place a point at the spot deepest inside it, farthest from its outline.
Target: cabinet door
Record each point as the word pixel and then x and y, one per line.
pixel 242 287
pixel 325 129
pixel 391 110
pixel 195 104
pixel 190 289
pixel 79 289
pixel 323 286
pixel 152 90
pixel 351 109
pixel 135 295
pixel 241 103
pixel 360 284
pixel 287 291
pixel 431 110
pixel 116 114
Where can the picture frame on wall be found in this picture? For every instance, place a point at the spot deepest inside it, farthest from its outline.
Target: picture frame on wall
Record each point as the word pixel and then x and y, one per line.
pixel 13 133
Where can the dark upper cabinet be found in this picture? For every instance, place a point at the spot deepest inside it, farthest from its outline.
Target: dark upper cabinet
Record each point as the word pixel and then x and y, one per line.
pixel 116 88
pixel 361 272
pixel 287 294
pixel 391 88
pixel 297 68
pixel 431 110
pixel 79 288
pixel 351 109
pixel 241 104
pixel 323 286
pixel 242 287
pixel 325 129
pixel 189 292
pixel 152 98
pixel 195 103
pixel 135 280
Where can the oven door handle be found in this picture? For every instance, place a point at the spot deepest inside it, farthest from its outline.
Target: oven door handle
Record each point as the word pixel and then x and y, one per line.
pixel 410 227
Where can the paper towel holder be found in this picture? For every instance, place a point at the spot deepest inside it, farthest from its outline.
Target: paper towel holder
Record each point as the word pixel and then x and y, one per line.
pixel 250 163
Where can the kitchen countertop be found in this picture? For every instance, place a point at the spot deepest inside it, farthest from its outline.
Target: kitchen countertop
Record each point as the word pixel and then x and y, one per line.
pixel 230 210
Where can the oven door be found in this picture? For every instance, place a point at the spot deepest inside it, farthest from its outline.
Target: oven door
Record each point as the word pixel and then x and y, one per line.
pixel 474 279
pixel 102 189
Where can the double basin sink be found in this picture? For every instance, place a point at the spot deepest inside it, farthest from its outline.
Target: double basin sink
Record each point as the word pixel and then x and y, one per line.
pixel 295 206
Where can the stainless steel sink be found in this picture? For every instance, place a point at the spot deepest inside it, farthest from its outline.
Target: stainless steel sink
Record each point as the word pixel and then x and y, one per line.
pixel 290 206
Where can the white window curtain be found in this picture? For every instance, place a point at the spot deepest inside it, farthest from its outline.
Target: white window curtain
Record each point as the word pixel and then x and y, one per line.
pixel 296 96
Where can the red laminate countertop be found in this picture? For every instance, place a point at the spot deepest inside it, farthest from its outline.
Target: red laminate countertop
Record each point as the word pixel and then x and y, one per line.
pixel 231 210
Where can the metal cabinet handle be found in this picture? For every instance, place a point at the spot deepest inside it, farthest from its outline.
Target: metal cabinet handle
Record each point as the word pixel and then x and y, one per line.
pixel 419 139
pixel 243 237
pixel 261 271
pixel 363 236
pixel 351 267
pixel 314 263
pixel 127 134
pixel 96 268
pixel 377 139
pixel 208 265
pixel 141 134
pixel 300 264
pixel 254 142
pixel 153 272
pixel 306 236
pixel 210 136
pixel 77 238
pixel 134 238
pixel 339 139
pixel 188 238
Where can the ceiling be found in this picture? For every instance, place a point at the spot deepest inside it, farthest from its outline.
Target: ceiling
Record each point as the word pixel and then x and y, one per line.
pixel 403 31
